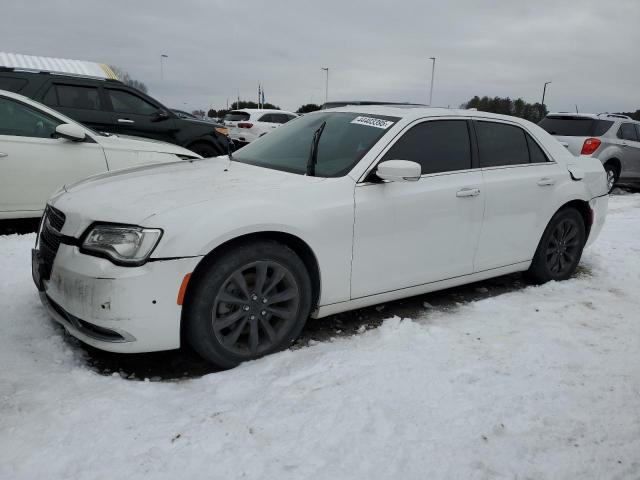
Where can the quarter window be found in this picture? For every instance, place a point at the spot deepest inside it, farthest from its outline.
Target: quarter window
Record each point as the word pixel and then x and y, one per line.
pixel 536 155
pixel 125 102
pixel 438 146
pixel 12 84
pixel 20 120
pixel 501 144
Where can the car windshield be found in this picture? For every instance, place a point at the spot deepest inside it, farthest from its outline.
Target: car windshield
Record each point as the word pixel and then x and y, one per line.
pixel 346 138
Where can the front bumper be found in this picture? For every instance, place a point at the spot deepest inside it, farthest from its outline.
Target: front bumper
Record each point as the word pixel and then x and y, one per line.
pixel 118 309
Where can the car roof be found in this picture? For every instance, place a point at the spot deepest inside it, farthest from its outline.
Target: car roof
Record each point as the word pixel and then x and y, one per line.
pixel 596 116
pixel 414 112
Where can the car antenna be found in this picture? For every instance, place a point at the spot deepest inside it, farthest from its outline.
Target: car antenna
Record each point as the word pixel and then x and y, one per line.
pixel 313 154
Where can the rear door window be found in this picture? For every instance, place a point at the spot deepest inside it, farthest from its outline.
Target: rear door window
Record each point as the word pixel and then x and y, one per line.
pixel 438 146
pixel 73 96
pixel 501 144
pixel 125 102
pixel 627 131
pixel 266 118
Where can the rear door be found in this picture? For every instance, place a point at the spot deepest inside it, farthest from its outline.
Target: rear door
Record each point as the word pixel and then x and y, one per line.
pixel 630 143
pixel 33 165
pixel 520 184
pixel 411 233
pixel 81 102
pixel 133 114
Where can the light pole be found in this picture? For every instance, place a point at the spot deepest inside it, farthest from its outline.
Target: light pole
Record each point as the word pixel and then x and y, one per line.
pixel 433 70
pixel 326 85
pixel 544 91
pixel 162 57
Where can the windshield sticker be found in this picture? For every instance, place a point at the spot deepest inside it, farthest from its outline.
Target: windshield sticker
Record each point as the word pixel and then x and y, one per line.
pixel 372 122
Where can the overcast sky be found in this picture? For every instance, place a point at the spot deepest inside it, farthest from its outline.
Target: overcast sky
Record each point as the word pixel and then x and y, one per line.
pixel 376 50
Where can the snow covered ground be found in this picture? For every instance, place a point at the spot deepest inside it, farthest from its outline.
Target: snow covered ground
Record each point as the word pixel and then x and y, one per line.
pixel 540 382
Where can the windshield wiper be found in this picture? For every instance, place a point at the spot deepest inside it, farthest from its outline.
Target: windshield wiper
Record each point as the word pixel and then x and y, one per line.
pixel 313 154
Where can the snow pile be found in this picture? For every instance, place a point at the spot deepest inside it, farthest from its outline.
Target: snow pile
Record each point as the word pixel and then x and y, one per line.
pixel 543 382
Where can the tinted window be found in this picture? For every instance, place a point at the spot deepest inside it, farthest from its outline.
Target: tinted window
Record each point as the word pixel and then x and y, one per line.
pixel 567 126
pixel 627 132
pixel 501 144
pixel 236 117
pixel 20 120
pixel 12 84
pixel 75 96
pixel 601 127
pixel 438 146
pixel 536 155
pixel 346 138
pixel 638 130
pixel 281 117
pixel 125 102
pixel 266 118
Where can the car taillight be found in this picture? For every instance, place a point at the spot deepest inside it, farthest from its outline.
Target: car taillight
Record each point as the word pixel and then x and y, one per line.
pixel 245 125
pixel 590 145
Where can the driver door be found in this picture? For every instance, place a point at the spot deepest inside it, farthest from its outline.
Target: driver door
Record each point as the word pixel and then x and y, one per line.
pixel 33 165
pixel 412 233
pixel 134 115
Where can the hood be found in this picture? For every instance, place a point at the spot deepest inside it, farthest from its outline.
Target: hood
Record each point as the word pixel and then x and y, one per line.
pixel 133 195
pixel 139 144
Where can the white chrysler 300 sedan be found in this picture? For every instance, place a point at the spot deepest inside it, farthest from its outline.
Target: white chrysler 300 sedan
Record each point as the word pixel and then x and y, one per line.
pixel 333 211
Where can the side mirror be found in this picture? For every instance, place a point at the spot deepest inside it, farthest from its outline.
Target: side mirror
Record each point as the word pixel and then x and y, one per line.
pixel 399 171
pixel 159 116
pixel 75 133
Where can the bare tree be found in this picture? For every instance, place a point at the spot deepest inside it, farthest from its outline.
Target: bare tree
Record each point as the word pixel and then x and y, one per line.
pixel 125 78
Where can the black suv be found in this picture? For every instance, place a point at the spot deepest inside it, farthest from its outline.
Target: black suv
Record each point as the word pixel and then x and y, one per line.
pixel 111 106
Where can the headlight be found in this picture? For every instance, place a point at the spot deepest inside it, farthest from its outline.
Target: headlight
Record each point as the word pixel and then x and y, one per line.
pixel 126 245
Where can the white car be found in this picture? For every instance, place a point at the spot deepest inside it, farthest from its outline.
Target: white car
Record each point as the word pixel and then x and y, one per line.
pixel 247 124
pixel 41 150
pixel 337 210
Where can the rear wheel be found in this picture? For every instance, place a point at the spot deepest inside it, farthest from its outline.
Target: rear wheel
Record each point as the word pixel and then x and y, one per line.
pixel 252 301
pixel 205 149
pixel 560 247
pixel 612 175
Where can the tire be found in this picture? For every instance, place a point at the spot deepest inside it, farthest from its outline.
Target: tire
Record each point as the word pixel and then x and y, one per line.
pixel 236 312
pixel 560 248
pixel 612 176
pixel 205 149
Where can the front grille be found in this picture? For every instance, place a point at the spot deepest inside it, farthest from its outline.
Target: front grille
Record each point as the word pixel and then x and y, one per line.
pixel 56 218
pixel 49 241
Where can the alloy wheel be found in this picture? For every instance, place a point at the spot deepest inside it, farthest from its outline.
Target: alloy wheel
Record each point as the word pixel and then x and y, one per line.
pixel 255 308
pixel 563 248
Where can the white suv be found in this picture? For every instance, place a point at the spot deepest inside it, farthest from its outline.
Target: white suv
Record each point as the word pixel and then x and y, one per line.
pixel 337 210
pixel 247 124
pixel 612 138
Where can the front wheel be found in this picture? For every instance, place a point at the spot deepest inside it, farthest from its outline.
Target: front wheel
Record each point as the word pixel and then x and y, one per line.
pixel 560 247
pixel 252 301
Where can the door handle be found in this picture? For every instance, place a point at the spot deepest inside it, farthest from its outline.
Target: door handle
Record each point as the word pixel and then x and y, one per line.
pixel 2 155
pixel 546 181
pixel 468 192
pixel 125 120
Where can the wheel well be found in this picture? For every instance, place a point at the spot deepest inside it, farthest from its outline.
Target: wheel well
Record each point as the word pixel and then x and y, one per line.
pixel 204 141
pixel 616 163
pixel 299 246
pixel 584 209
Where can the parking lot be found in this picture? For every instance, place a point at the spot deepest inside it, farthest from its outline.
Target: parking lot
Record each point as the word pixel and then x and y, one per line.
pixel 496 379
